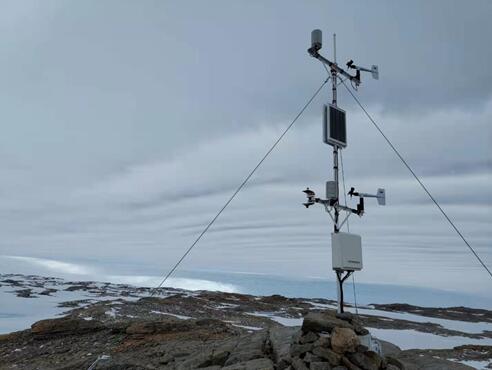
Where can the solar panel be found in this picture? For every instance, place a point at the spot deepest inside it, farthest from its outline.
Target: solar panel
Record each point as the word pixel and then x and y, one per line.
pixel 334 126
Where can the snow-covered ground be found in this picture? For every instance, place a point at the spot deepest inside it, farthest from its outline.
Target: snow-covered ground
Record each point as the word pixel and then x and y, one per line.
pixel 479 365
pixel 181 317
pixel 412 339
pixel 18 313
pixel 285 321
pixel 463 326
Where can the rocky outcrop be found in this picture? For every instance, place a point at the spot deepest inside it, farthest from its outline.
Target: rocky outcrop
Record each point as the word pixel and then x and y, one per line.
pixel 64 326
pixel 159 327
pixel 324 321
pixel 413 360
pixel 324 342
pixel 328 341
pixel 208 330
pixel 24 293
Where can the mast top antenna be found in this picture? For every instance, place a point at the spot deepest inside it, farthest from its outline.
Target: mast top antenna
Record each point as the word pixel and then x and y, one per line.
pixel 317 44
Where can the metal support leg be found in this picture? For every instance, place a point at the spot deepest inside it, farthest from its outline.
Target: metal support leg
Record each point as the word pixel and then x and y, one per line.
pixel 340 280
pixel 339 292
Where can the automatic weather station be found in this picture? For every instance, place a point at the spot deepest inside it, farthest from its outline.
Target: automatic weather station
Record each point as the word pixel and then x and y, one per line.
pixel 346 247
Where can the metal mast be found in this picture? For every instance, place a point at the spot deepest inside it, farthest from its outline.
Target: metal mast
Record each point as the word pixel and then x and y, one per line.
pixel 334 80
pixel 346 247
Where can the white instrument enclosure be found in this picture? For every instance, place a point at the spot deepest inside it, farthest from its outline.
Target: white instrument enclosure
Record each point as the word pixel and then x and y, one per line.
pixel 346 251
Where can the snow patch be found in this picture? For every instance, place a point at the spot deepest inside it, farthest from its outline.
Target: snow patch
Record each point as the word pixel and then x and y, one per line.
pixel 479 365
pixel 463 326
pixel 412 339
pixel 181 317
pixel 112 313
pixel 285 321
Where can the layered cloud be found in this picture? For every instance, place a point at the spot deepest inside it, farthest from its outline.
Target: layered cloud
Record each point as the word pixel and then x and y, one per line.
pixel 147 214
pixel 129 133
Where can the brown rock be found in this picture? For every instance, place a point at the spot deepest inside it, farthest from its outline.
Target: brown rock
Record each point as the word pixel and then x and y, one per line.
pixel 8 337
pixel 327 354
pixel 141 328
pixel 248 348
pixel 361 348
pixel 280 339
pixel 368 360
pixel 255 364
pixel 323 341
pixel 347 316
pixel 324 321
pixel 374 359
pixel 154 327
pixel 344 340
pixel 299 349
pixel 275 299
pixel 359 329
pixel 309 357
pixel 308 338
pixel 298 364
pixel 319 366
pixel 394 362
pixel 392 367
pixel 349 365
pixel 65 326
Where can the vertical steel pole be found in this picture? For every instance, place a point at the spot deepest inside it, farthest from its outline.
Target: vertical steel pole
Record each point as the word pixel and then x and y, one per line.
pixel 337 187
pixel 334 87
pixel 334 80
pixel 335 175
pixel 339 291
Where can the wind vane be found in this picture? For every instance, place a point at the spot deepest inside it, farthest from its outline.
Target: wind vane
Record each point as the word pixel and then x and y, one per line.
pixel 346 247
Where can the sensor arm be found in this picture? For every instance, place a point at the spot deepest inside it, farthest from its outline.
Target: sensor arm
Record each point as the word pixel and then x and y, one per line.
pixel 312 199
pixel 365 195
pixel 363 69
pixel 314 53
pixel 380 195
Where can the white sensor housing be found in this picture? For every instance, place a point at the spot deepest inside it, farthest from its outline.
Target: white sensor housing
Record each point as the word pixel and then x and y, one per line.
pixel 381 197
pixel 375 72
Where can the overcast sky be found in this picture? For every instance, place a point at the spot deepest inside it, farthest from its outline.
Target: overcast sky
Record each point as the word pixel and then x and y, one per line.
pixel 126 125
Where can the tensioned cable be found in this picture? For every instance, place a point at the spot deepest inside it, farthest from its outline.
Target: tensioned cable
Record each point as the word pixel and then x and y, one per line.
pixel 418 180
pixel 239 188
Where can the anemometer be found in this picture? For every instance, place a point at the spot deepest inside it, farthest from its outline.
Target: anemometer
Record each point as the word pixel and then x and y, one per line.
pixel 346 247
